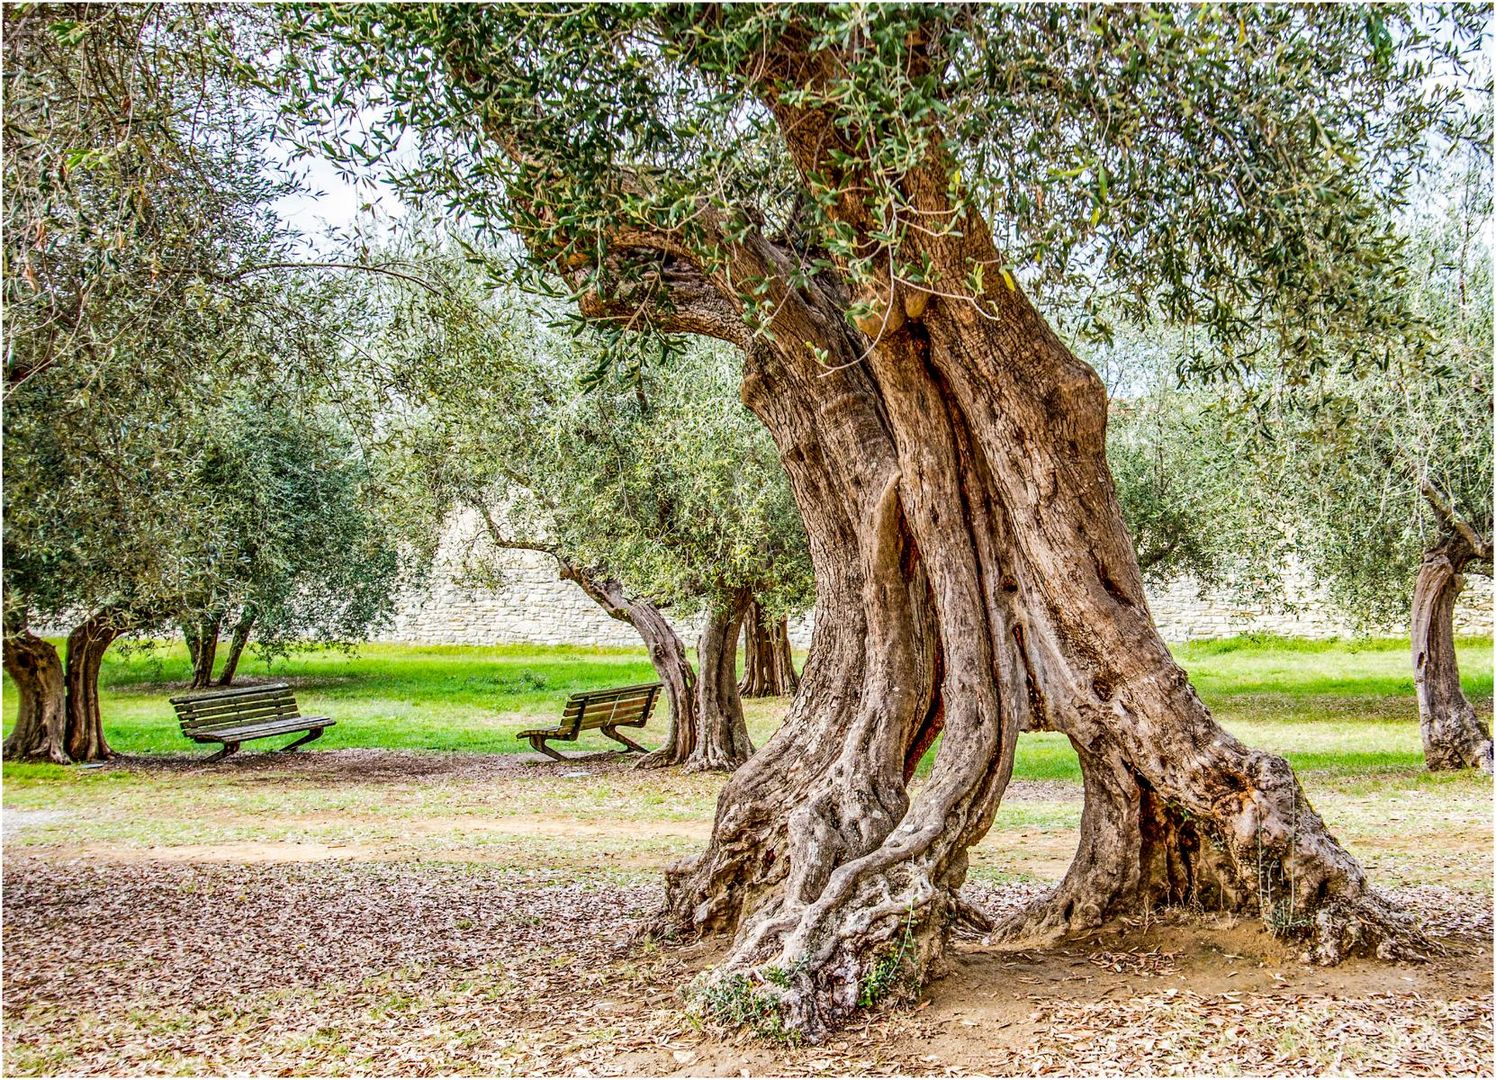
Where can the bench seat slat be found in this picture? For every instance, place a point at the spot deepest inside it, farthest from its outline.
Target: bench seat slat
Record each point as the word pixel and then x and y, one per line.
pixel 250 731
pixel 286 708
pixel 215 702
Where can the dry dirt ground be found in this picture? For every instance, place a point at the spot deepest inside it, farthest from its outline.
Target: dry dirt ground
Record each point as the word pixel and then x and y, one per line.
pixel 381 912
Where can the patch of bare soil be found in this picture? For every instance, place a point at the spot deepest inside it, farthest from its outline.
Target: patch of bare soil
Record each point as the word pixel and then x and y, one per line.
pixel 348 967
pixel 370 766
pixel 405 767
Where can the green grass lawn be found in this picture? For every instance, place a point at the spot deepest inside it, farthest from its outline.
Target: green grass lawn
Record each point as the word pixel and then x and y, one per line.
pixel 1342 707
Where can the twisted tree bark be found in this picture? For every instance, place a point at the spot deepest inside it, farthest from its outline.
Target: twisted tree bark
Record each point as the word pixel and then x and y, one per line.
pixel 40 733
pixel 974 579
pixel 85 654
pixel 1000 592
pixel 1453 736
pixel 768 665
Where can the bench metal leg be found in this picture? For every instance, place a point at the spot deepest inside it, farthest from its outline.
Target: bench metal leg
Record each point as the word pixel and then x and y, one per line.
pixel 228 748
pixel 310 736
pixel 629 744
pixel 539 744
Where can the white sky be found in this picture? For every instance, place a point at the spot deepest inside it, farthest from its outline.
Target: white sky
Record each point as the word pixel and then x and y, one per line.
pixel 332 206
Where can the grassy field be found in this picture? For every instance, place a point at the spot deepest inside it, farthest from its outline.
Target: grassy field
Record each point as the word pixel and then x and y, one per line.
pixel 387 898
pixel 1335 706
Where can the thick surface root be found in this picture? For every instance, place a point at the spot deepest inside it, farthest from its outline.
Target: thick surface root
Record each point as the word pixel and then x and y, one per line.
pixel 1369 926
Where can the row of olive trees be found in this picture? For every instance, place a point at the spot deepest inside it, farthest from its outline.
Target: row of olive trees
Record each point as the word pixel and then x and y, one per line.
pixel 164 461
pixel 205 429
pixel 652 488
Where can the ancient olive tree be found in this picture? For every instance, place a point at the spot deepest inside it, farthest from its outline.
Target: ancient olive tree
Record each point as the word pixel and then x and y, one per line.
pixel 768 658
pixel 131 243
pixel 653 489
pixel 96 519
pixel 865 199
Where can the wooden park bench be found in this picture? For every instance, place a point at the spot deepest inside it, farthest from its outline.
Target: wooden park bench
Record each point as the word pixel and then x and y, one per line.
pixel 599 710
pixel 231 717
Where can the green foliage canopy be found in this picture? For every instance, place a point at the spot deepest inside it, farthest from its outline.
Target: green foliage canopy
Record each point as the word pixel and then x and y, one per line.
pixel 1220 166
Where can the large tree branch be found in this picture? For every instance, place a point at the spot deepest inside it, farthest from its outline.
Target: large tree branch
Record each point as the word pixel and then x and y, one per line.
pixel 1480 547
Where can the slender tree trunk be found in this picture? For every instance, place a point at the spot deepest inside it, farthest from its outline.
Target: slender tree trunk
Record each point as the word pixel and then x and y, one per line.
pixel 85 654
pixel 1453 736
pixel 40 733
pixel 202 646
pixel 242 630
pixel 723 742
pixel 666 652
pixel 768 666
pixel 194 643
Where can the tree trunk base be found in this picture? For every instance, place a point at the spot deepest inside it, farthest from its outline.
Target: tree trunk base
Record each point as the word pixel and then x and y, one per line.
pixel 40 731
pixel 868 954
pixel 1141 853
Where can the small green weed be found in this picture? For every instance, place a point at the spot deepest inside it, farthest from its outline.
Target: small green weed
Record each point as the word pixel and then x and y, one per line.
pixel 886 971
pixel 734 1002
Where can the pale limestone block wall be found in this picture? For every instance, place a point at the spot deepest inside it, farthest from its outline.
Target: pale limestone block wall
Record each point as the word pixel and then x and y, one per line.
pixel 534 605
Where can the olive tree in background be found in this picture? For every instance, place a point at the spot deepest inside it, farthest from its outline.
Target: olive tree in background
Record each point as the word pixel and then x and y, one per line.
pixel 146 275
pixel 298 552
pixel 653 489
pixel 1195 497
pixel 875 204
pixel 1392 469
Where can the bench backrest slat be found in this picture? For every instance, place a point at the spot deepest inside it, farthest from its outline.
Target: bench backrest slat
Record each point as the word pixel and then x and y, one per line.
pixel 232 707
pixel 622 705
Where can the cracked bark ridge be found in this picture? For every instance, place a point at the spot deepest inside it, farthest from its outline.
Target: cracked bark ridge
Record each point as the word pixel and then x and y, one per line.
pixel 1453 736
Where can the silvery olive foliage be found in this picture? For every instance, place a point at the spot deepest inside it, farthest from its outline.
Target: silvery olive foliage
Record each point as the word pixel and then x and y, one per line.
pixel 656 476
pixel 166 451
pixel 296 537
pixel 1196 500
pixel 1222 167
pixel 1383 468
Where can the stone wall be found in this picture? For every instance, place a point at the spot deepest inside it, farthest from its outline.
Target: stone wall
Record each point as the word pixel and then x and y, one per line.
pixel 535 605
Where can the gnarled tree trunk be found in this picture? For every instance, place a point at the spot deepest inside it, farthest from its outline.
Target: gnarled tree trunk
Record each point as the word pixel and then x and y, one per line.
pixel 40 733
pixel 768 666
pixel 961 466
pixel 974 579
pixel 242 630
pixel 723 743
pixel 666 652
pixel 1453 736
pixel 85 654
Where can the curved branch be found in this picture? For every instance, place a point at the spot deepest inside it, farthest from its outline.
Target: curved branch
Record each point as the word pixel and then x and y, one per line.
pixel 1480 547
pixel 386 271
